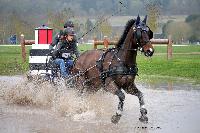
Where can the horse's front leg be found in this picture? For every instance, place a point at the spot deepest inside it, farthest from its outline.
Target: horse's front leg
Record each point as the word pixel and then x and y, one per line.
pixel 111 87
pixel 132 89
pixel 115 118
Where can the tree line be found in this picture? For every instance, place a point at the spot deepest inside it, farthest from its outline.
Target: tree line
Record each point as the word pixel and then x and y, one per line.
pixel 14 24
pixel 184 31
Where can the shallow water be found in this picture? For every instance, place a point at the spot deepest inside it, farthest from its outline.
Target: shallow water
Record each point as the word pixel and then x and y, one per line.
pixel 29 107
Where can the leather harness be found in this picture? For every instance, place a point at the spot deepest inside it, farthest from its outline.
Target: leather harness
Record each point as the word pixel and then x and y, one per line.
pixel 119 69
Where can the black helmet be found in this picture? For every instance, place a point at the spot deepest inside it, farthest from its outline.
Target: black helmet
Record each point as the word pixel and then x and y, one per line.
pixel 69 24
pixel 68 31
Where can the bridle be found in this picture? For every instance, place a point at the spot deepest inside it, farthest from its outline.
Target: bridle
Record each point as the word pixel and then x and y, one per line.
pixel 137 32
pixel 137 35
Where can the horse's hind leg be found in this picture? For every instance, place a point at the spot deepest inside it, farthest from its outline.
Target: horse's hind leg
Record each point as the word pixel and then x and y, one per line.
pixel 115 118
pixel 134 91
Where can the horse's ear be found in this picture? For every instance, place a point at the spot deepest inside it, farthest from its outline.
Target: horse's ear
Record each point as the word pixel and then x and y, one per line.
pixel 138 20
pixel 145 20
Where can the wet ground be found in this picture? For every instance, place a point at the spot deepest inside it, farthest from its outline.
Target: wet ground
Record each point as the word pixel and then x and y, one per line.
pixel 28 107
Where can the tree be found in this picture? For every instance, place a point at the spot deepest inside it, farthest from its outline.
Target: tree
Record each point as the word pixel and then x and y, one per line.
pixel 192 18
pixel 194 21
pixel 88 26
pixel 57 19
pixel 164 29
pixel 105 28
pixel 153 16
pixel 14 24
pixel 180 31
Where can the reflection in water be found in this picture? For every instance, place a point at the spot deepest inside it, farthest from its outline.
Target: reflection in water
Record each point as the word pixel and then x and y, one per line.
pixel 32 107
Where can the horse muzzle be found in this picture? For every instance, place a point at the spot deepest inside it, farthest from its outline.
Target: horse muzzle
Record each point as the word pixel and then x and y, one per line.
pixel 149 52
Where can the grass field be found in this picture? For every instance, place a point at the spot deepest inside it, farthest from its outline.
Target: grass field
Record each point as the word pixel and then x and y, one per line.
pixel 11 60
pixel 184 64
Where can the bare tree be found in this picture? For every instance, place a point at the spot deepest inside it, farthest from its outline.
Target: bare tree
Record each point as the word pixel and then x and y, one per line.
pixel 153 11
pixel 180 31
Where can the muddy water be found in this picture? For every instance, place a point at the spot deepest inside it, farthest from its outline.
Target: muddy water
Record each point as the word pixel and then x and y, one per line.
pixel 32 107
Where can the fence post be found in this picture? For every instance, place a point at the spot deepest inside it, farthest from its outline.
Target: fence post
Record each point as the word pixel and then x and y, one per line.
pixel 105 43
pixel 95 44
pixel 169 48
pixel 22 42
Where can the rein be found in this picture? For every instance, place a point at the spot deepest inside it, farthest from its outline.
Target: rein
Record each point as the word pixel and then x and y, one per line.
pixel 132 49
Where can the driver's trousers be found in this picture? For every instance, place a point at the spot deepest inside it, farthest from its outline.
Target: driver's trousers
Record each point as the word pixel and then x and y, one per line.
pixel 64 66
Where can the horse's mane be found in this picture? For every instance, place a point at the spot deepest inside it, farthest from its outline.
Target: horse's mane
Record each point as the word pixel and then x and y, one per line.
pixel 123 36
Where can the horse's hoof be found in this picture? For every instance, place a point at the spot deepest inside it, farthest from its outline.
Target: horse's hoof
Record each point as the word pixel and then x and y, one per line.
pixel 143 111
pixel 144 119
pixel 115 118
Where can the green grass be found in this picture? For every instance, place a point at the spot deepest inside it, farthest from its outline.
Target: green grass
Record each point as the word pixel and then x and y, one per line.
pixel 178 49
pixel 11 60
pixel 182 65
pixel 84 47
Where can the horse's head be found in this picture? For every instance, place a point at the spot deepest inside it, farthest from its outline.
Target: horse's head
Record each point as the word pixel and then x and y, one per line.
pixel 143 34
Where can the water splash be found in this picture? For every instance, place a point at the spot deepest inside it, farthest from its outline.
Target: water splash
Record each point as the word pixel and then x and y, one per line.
pixel 61 100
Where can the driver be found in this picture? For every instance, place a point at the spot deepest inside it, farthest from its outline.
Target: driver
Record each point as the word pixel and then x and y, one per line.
pixel 59 35
pixel 64 50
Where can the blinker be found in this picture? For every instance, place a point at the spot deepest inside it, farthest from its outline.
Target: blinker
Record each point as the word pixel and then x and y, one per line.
pixel 138 34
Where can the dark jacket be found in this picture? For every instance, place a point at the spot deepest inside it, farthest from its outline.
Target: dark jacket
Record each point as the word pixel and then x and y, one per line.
pixel 64 46
pixel 57 38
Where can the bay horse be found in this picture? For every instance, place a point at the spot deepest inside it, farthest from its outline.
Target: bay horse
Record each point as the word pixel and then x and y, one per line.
pixel 115 69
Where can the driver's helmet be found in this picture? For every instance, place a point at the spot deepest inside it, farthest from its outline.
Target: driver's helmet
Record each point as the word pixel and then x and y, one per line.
pixel 69 24
pixel 68 31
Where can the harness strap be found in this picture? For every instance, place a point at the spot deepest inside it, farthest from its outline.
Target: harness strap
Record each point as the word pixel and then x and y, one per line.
pixel 120 69
pixel 99 63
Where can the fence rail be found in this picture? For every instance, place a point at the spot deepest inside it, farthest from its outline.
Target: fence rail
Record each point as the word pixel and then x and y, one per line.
pixel 104 42
pixel 167 42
